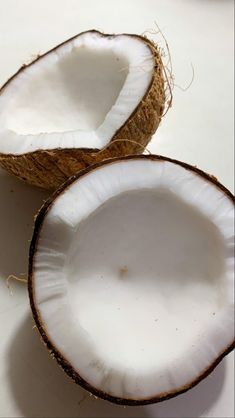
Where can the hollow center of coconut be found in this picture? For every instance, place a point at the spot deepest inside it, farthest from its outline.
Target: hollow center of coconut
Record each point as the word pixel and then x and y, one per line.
pixel 137 270
pixel 74 94
pixel 133 276
pixel 77 95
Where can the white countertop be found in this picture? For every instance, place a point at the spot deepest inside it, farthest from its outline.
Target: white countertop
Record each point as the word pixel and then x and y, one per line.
pixel 197 129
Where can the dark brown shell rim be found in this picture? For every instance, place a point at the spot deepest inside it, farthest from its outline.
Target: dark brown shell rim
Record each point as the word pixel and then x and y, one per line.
pixel 66 366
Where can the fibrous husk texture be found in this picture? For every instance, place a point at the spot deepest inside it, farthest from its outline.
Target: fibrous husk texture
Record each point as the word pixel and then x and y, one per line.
pixel 49 168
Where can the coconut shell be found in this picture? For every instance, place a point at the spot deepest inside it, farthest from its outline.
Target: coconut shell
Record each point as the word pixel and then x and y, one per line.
pixel 56 354
pixel 49 168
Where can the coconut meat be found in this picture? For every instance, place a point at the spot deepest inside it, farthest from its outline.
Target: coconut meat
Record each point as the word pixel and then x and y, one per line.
pixel 133 276
pixel 78 95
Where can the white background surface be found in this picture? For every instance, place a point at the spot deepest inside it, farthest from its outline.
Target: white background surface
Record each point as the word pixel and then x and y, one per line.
pixel 198 129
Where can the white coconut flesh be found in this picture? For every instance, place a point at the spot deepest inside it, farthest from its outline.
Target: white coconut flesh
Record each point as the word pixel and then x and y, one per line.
pixel 133 276
pixel 78 95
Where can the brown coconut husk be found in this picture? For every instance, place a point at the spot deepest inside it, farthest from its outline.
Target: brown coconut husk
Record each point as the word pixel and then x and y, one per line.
pixel 49 168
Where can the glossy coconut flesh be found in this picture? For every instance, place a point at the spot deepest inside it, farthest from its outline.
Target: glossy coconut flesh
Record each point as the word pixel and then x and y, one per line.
pixel 77 95
pixel 133 277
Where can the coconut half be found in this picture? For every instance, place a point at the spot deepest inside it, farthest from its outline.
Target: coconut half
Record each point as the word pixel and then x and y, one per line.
pixel 60 113
pixel 131 277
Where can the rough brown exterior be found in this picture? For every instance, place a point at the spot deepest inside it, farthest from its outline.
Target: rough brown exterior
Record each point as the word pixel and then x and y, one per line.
pixel 66 366
pixel 49 168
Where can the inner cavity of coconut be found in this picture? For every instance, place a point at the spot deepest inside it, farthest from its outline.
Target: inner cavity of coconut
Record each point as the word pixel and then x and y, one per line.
pixel 77 95
pixel 144 270
pixel 134 276
pixel 74 94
